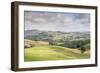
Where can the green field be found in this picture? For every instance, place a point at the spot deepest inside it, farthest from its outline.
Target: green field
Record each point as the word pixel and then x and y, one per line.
pixel 44 53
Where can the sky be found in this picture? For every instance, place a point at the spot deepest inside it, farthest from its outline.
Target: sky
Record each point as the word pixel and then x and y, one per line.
pixel 57 21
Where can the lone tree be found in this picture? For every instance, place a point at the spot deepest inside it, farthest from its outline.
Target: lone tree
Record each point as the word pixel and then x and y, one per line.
pixel 82 49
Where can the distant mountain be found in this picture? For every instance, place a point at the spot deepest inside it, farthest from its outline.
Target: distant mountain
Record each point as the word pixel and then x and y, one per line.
pixel 55 35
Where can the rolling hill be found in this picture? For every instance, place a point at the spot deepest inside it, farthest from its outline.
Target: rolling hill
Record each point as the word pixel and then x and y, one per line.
pixel 42 53
pixel 56 45
pixel 57 36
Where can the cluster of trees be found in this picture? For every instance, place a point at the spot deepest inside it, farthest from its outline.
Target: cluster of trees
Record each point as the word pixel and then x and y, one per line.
pixel 83 45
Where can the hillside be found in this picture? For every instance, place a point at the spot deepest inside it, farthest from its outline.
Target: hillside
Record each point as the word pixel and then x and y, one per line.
pixel 31 43
pixel 56 45
pixel 55 36
pixel 65 39
pixel 41 53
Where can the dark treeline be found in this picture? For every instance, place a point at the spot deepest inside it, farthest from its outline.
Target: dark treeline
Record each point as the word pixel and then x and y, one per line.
pixel 82 45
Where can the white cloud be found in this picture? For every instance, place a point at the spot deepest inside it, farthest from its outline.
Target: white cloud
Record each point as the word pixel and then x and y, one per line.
pixel 51 21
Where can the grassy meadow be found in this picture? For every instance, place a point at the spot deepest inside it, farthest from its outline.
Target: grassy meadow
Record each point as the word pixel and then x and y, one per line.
pixel 41 53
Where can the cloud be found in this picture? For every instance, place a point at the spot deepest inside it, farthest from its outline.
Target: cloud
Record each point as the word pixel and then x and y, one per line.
pixel 53 21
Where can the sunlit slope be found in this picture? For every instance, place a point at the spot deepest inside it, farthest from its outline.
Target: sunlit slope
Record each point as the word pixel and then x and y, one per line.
pixel 41 53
